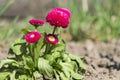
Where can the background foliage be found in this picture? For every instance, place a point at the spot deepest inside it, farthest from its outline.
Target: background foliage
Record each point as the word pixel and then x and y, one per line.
pixel 95 19
pixel 100 21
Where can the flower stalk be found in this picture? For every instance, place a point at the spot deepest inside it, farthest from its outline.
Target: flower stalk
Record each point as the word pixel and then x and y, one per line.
pixel 54 30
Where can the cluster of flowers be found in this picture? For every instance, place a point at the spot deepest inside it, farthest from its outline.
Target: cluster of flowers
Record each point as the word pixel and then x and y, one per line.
pixel 42 55
pixel 57 17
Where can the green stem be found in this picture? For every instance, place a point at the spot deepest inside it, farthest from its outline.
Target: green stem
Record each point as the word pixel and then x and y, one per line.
pixel 47 48
pixel 54 30
pixel 36 54
pixel 59 32
pixel 31 49
pixel 36 26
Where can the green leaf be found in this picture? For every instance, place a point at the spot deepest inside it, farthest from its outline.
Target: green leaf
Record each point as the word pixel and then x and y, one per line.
pixel 76 76
pixel 75 66
pixel 67 68
pixel 45 68
pixel 3 75
pixel 57 65
pixel 50 58
pixel 25 31
pixel 29 64
pixel 63 77
pixel 18 47
pixel 56 75
pixel 7 61
pixel 56 55
pixel 15 65
pixel 24 77
pixel 79 61
pixel 37 75
pixel 65 57
pixel 81 64
pixel 59 47
pixel 12 75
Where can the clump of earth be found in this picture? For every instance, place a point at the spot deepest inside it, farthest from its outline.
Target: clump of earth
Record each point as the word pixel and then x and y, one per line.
pixel 102 59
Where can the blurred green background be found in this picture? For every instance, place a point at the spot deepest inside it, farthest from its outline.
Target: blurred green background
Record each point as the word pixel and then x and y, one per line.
pixel 97 20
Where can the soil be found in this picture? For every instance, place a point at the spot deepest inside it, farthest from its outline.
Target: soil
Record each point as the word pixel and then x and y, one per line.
pixel 102 59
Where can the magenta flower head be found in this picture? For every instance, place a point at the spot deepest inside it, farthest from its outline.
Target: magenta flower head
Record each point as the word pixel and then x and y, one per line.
pixel 52 39
pixel 66 11
pixel 36 22
pixel 32 37
pixel 59 17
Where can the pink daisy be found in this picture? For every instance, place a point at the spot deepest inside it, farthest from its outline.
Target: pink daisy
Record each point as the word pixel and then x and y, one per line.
pixel 32 37
pixel 59 17
pixel 36 22
pixel 52 39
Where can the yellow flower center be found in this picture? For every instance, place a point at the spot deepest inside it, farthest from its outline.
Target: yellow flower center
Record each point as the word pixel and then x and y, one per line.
pixel 32 36
pixel 51 38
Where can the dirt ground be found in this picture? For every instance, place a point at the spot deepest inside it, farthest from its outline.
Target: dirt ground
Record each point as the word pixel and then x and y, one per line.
pixel 102 60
